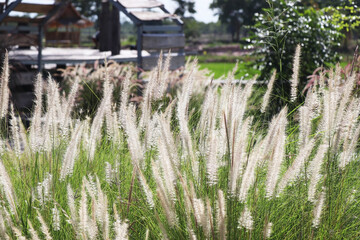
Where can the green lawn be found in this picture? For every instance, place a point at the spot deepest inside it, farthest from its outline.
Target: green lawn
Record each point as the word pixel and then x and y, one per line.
pixel 223 68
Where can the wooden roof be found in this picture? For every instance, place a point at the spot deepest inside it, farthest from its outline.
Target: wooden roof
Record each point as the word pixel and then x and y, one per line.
pixel 68 15
pixel 33 8
pixel 65 15
pixel 140 3
pixel 151 16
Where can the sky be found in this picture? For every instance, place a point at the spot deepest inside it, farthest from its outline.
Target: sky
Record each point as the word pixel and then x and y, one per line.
pixel 203 12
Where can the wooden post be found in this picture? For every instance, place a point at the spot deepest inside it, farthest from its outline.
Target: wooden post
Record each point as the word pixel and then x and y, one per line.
pixel 115 27
pixel 105 27
pixel 40 47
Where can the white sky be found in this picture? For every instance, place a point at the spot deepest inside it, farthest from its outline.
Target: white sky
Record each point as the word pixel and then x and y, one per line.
pixel 203 12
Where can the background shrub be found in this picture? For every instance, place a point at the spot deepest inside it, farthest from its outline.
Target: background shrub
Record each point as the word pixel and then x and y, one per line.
pixel 284 25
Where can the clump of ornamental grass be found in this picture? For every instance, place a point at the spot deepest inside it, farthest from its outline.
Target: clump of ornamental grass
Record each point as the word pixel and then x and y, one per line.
pixel 150 171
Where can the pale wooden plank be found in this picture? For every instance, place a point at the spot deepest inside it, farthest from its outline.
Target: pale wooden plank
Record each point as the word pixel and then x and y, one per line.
pixel 163 41
pixel 150 62
pixel 140 3
pixel 150 16
pixel 71 55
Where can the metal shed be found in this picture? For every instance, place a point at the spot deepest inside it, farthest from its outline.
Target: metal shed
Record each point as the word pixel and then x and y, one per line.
pixel 153 34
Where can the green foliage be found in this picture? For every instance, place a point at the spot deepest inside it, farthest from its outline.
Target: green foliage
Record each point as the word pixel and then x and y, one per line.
pixel 191 28
pixel 185 6
pixel 346 16
pixel 284 25
pixel 90 9
pixel 237 13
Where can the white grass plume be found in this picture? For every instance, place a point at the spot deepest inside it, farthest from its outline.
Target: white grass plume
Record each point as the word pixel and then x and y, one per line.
pixel 147 190
pixel 267 95
pixel 314 170
pixel 33 232
pixel 248 178
pixel 71 152
pixel 295 76
pixel 277 154
pixel 121 230
pixel 246 219
pixel 56 218
pixel 83 213
pixel 182 115
pixel 126 85
pixel 69 105
pixel 318 210
pixel 15 132
pixel 239 155
pixel 295 168
pixel 4 87
pixel 349 148
pixel 165 201
pixel 44 227
pixel 18 233
pixel 8 189
pixel 95 130
pixel 35 135
pixel 212 161
pixel 71 204
pixel 268 229
pixel 221 215
pixel 133 138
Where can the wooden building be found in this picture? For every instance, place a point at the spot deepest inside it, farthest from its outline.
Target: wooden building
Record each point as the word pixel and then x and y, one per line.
pixel 157 30
pixel 68 18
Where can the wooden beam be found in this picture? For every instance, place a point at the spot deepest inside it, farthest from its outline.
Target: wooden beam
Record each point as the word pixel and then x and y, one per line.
pixel 177 19
pixel 9 9
pixel 16 29
pixel 53 11
pixel 163 41
pixel 22 19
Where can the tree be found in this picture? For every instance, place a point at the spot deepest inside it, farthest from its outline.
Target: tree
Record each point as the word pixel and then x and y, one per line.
pixel 185 6
pixel 237 13
pixel 89 9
